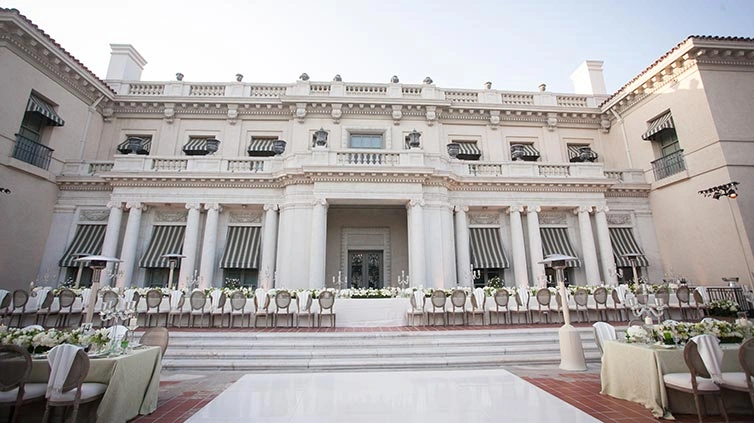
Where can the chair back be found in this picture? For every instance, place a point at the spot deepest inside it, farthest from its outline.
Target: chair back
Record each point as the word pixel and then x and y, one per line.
pixel 746 358
pixel 326 300
pixel 282 300
pixel 600 296
pixel 438 299
pixel 6 301
pixel 501 298
pixel 558 300
pixel 616 297
pixel 698 299
pixel 603 332
pixel 66 298
pixel 663 294
pixel 221 301
pixel 77 372
pixel 198 300
pixel 694 362
pixel 682 293
pixel 261 296
pixel 543 297
pixel 109 296
pixel 642 298
pixel 581 297
pixel 474 305
pixel 237 301
pixel 458 299
pixel 15 367
pixel 156 337
pixel 154 298
pixel 20 298
pixel 47 302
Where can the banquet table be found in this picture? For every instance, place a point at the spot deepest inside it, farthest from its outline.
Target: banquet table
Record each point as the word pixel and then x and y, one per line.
pixel 132 379
pixel 362 312
pixel 634 372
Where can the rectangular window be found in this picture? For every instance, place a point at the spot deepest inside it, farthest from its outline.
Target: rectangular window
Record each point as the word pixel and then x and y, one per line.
pixel 365 141
pixel 662 131
pixel 29 147
pixel 240 277
pixel 581 153
pixel 524 151
pixel 134 143
pixel 468 150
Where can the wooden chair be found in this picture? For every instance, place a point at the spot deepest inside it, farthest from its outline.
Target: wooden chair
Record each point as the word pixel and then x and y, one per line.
pixel 699 305
pixel 697 381
pixel 261 307
pixel 438 300
pixel 15 367
pixel 501 298
pixel 45 308
pixel 544 296
pixel 156 337
pixel 522 306
pixel 176 309
pixel 154 301
pixel 326 302
pixel 742 381
pixel 66 301
pixel 600 303
pixel 304 303
pixel 477 309
pixel 20 299
pixel 218 309
pixel 663 294
pixel 618 307
pixel 197 301
pixel 581 302
pixel 684 302
pixel 458 306
pixel 282 307
pixel 74 390
pixel 5 304
pixel 416 308
pixel 237 307
pixel 110 300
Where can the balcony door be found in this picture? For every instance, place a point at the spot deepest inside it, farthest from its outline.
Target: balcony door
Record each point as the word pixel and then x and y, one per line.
pixel 365 269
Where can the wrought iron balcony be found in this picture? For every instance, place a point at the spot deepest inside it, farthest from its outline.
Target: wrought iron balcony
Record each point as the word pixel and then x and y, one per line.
pixel 32 152
pixel 669 165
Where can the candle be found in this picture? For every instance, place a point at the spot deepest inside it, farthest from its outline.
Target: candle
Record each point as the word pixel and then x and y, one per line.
pixel 647 320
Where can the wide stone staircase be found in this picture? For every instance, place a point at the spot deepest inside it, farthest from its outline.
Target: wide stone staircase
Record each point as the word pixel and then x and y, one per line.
pixel 253 351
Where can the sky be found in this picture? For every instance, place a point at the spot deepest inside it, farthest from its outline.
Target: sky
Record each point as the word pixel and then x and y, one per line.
pixel 516 45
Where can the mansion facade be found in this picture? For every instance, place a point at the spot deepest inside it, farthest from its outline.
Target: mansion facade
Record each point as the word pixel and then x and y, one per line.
pixel 313 184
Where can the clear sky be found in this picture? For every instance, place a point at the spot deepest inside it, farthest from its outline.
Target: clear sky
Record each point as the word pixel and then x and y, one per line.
pixel 516 45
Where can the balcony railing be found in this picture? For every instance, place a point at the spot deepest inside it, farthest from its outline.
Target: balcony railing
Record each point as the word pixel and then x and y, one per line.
pixel 668 165
pixel 32 152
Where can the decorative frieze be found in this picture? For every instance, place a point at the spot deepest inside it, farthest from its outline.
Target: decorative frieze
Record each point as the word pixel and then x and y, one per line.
pixel 619 219
pixel 171 216
pixel 484 218
pixel 246 217
pixel 94 215
pixel 553 218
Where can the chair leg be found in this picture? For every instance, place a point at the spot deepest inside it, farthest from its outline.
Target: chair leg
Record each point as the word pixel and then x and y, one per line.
pixel 721 406
pixel 46 415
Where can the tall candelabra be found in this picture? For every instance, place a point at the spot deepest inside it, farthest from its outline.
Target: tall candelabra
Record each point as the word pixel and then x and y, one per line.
pixel 646 310
pixel 403 280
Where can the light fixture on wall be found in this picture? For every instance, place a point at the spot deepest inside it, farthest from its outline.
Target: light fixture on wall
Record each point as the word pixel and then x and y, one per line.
pixel 726 190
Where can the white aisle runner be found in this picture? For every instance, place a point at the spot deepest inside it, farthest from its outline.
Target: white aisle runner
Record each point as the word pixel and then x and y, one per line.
pixel 388 397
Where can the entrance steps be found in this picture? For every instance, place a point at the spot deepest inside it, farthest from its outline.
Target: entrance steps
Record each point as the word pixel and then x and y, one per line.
pixel 315 351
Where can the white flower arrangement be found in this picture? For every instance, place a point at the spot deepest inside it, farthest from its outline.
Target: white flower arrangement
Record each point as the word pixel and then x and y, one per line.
pixel 723 308
pixel 637 334
pixel 673 332
pixel 40 340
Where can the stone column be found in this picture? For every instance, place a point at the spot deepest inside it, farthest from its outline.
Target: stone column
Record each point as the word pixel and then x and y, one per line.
pixel 448 246
pixel 520 272
pixel 269 242
pixel 130 241
pixel 463 253
pixel 587 246
pixel 609 275
pixel 318 247
pixel 110 243
pixel 535 246
pixel 209 244
pixel 190 242
pixel 416 255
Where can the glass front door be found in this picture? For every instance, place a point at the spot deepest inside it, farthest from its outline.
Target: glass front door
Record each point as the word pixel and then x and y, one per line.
pixel 365 269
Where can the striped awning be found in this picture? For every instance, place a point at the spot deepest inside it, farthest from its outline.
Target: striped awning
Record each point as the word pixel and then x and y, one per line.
pixel 468 151
pixel 242 248
pixel 658 125
pixel 88 240
pixel 165 240
pixel 37 105
pixel 487 249
pixel 574 153
pixel 555 241
pixel 530 151
pixel 261 147
pixel 196 146
pixel 146 144
pixel 623 242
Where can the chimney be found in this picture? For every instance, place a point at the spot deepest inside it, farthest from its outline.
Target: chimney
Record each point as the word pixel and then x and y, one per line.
pixel 126 63
pixel 588 78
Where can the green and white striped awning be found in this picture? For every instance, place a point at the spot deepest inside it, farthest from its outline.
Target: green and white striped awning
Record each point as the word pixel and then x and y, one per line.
pixel 261 147
pixel 469 151
pixel 88 240
pixel 165 240
pixel 196 146
pixel 487 249
pixel 555 241
pixel 146 144
pixel 37 105
pixel 658 125
pixel 242 248
pixel 623 242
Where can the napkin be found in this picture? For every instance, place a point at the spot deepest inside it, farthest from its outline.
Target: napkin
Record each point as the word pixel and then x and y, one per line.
pixel 711 353
pixel 419 299
pixel 479 296
pixel 259 295
pixel 61 360
pixel 215 294
pixel 175 298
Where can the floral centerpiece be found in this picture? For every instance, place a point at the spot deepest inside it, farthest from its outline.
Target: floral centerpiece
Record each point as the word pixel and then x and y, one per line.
pixel 672 332
pixel 38 341
pixel 723 308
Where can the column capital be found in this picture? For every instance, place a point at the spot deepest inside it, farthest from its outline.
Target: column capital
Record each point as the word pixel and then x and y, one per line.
pixel 136 205
pixel 193 206
pixel 515 209
pixel 461 208
pixel 582 209
pixel 415 202
pixel 115 205
pixel 271 207
pixel 213 206
pixel 320 201
pixel 533 208
pixel 601 209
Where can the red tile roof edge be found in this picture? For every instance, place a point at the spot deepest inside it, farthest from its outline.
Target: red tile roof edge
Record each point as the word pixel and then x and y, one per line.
pixel 52 40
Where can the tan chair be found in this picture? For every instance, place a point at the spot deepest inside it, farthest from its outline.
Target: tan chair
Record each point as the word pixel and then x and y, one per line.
pixel 66 301
pixel 522 307
pixel 261 307
pixel 742 381
pixel 154 301
pixel 663 294
pixel 282 307
pixel 544 296
pixel 684 302
pixel 697 381
pixel 618 307
pixel 416 309
pixel 501 298
pixel 75 390
pixel 326 302
pixel 156 337
pixel 699 305
pixel 304 304
pixel 198 302
pixel 476 308
pixel 581 301
pixel 45 308
pixel 18 309
pixel 600 303
pixel 438 300
pixel 176 312
pixel 458 306
pixel 109 299
pixel 218 311
pixel 15 367
pixel 237 308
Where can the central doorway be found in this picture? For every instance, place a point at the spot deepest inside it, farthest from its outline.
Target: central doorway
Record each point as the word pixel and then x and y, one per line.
pixel 365 269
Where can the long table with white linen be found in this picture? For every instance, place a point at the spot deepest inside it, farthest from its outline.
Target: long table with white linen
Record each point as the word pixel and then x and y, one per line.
pixel 133 382
pixel 634 372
